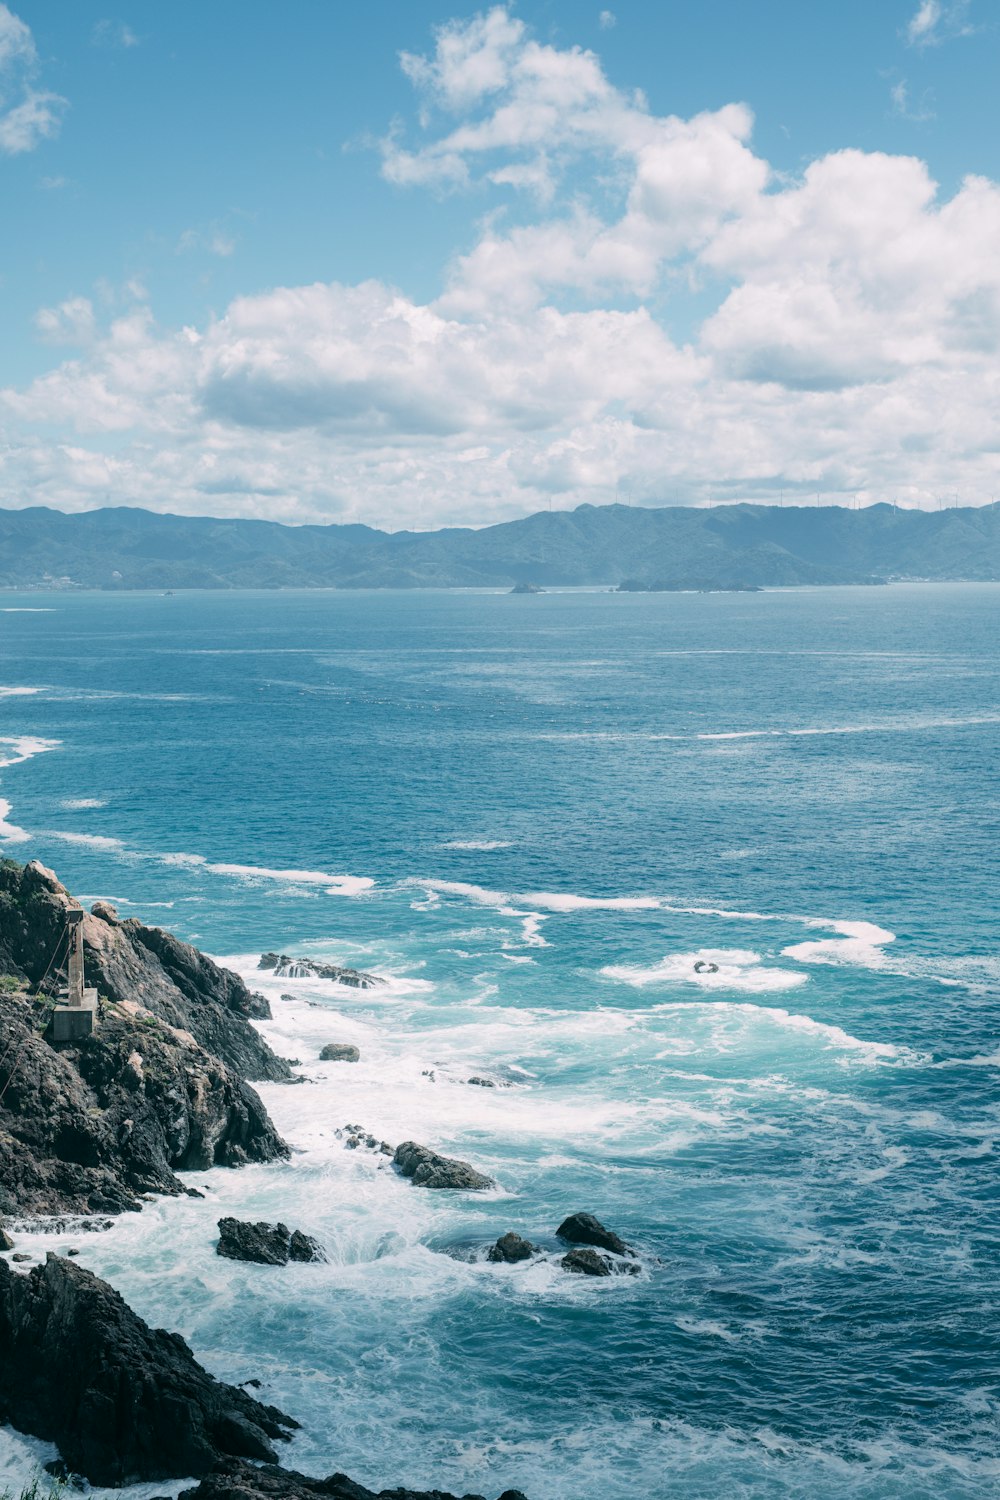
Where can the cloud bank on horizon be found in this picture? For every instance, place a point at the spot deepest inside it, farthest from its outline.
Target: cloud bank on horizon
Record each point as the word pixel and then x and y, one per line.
pixel 847 341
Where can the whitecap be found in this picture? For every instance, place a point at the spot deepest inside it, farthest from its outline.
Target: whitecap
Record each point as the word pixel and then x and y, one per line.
pixel 19 692
pixel 77 804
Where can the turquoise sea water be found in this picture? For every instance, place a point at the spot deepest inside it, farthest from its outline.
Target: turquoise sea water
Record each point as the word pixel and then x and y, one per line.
pixel 535 815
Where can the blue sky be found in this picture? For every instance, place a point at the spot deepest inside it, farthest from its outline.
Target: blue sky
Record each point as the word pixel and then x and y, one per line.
pixel 420 263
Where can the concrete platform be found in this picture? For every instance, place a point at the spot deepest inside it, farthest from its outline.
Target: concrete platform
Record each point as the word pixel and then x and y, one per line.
pixel 71 1023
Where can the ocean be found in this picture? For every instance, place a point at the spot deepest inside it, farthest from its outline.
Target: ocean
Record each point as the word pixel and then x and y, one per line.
pixel 534 816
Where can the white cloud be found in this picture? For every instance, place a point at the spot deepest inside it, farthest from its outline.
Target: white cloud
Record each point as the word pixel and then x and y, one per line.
pixel 917 111
pixel 935 21
pixel 72 322
pixel 607 19
pixel 851 341
pixel 109 33
pixel 27 115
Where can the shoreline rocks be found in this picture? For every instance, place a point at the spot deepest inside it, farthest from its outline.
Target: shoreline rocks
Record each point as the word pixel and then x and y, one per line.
pixel 241 1481
pixel 511 1248
pixel 427 1169
pixel 266 1244
pixel 584 1229
pixel 283 966
pixel 340 1052
pixel 123 1402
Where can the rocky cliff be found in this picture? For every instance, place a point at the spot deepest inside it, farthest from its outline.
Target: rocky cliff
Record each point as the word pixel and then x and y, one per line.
pixel 122 1401
pixel 88 1127
pixel 129 962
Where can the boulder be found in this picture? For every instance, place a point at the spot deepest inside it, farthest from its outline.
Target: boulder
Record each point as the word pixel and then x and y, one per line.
pixel 428 1169
pixel 283 966
pixel 241 1481
pixel 482 1083
pixel 584 1229
pixel 123 1402
pixel 265 1244
pixel 339 1052
pixel 587 1263
pixel 511 1248
pixel 6 1243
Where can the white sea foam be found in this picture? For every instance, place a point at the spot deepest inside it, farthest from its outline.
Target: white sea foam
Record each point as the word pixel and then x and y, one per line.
pixel 22 747
pixel 860 943
pixel 77 804
pixel 19 692
pixel 10 832
pixel 485 845
pixel 87 840
pixel 736 969
pixel 335 885
pixel 869 1052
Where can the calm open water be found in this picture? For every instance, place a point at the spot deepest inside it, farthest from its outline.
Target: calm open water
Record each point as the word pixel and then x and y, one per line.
pixel 535 815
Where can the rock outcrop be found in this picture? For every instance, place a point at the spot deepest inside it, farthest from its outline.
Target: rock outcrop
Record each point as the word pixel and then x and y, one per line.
pixel 511 1248
pixel 282 966
pixel 92 1126
pixel 127 961
pixel 266 1244
pixel 122 1401
pixel 240 1481
pixel 428 1169
pixel 340 1052
pixel 584 1229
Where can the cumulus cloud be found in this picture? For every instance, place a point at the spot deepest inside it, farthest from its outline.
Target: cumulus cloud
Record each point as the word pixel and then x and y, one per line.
pixel 848 336
pixel 28 115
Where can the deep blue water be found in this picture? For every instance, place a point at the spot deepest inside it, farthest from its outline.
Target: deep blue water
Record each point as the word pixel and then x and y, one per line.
pixel 536 815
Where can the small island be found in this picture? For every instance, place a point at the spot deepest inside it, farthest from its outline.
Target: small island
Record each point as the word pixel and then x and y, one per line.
pixel 527 588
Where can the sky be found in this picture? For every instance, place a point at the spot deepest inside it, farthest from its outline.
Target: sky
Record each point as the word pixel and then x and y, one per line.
pixel 413 264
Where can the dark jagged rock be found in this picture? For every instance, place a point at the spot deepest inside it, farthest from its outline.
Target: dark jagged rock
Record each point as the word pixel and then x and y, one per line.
pixel 584 1229
pixel 126 961
pixel 511 1248
pixel 428 1169
pixel 6 1243
pixel 339 1052
pixel 587 1263
pixel 92 1127
pixel 482 1083
pixel 265 1244
pixel 282 966
pixel 241 1481
pixel 123 1402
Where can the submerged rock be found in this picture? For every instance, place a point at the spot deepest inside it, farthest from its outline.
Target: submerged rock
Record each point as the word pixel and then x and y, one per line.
pixel 428 1169
pixel 282 966
pixel 340 1052
pixel 483 1083
pixel 240 1481
pixel 123 1402
pixel 511 1248
pixel 265 1244
pixel 584 1229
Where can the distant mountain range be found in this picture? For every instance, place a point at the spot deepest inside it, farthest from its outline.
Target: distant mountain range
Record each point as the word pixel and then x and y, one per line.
pixel 729 546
